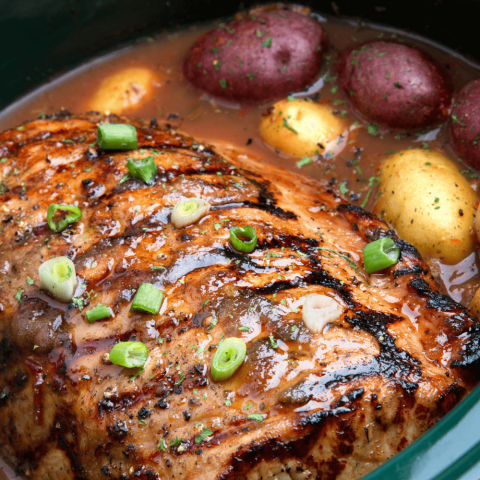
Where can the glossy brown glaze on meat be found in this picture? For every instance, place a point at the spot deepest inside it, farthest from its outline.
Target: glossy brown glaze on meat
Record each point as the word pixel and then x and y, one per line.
pixel 333 405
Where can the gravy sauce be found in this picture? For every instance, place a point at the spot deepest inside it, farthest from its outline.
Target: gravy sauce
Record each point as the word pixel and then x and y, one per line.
pixel 177 103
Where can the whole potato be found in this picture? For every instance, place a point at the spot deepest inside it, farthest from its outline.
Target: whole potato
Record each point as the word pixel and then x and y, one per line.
pixel 260 57
pixel 465 124
pixel 430 204
pixel 301 127
pixel 395 85
pixel 124 89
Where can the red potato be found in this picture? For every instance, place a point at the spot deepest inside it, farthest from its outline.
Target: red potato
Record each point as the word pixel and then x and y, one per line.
pixel 395 85
pixel 258 58
pixel 465 124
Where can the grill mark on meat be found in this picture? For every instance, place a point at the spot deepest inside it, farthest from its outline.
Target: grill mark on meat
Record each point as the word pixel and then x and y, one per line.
pixel 393 362
pixel 65 432
pixel 267 201
pixel 265 198
pixel 277 450
pixel 416 270
pixel 471 351
pixel 314 278
pixel 435 299
pixel 374 229
pixel 6 351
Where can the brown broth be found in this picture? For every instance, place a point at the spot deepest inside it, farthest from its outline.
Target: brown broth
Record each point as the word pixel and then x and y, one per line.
pixel 176 102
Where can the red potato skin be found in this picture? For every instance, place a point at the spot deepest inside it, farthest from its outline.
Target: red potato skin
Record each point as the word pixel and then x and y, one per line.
pixel 395 85
pixel 259 58
pixel 465 124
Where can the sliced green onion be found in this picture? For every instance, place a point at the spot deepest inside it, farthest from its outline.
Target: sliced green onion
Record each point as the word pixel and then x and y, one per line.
pixel 129 354
pixel 189 211
pixel 117 137
pixel 243 239
pixel 228 357
pixel 320 310
pixel 147 299
pixel 145 169
pixel 97 313
pixel 58 277
pixel 380 254
pixel 72 215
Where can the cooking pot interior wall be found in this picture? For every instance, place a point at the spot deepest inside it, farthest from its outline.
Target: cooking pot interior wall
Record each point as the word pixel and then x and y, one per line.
pixel 41 38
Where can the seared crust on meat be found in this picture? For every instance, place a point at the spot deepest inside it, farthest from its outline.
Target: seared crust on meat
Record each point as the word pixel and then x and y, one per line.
pixel 332 406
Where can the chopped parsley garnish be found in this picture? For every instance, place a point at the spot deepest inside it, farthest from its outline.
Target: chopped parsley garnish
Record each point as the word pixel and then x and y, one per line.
pixel 286 125
pixel 18 295
pixel 176 442
pixel 456 120
pixel 372 129
pixel 349 260
pixel 205 433
pixel 181 379
pixel 78 302
pixel 304 161
pixel 267 43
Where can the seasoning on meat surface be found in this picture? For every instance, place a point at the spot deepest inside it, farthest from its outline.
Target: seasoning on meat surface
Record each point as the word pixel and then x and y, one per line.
pixel 333 404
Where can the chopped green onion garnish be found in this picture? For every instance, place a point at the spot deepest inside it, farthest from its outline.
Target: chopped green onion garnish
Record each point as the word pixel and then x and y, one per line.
pixel 380 254
pixel 228 357
pixel 129 354
pixel 97 313
pixel 117 137
pixel 145 169
pixel 147 299
pixel 72 215
pixel 58 277
pixel 243 239
pixel 189 211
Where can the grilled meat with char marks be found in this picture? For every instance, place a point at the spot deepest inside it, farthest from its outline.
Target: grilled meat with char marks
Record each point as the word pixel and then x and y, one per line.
pixel 302 406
